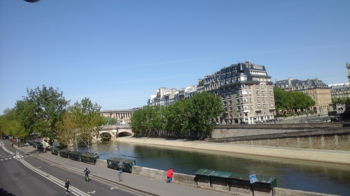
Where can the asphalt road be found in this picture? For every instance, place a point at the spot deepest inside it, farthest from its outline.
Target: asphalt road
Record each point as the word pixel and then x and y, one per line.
pixel 17 179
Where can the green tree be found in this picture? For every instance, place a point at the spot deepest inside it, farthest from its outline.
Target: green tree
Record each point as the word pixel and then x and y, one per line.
pixel 148 121
pixel 109 121
pixel 342 100
pixel 291 102
pixel 301 101
pixel 68 130
pixel 283 101
pixel 204 108
pixel 193 117
pixel 41 110
pixel 177 119
pixel 81 123
pixel 10 125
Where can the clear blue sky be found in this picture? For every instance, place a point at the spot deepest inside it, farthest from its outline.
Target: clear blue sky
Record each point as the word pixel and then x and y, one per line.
pixel 118 52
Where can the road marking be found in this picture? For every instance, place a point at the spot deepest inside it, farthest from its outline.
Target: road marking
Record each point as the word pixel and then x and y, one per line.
pixel 112 188
pixel 53 179
pixel 47 176
pixel 5 149
pixel 91 192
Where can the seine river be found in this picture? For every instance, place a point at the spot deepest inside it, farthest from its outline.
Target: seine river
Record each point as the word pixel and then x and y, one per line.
pixel 293 174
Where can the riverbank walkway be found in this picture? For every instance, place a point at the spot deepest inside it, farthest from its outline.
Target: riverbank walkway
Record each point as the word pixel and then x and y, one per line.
pixel 100 171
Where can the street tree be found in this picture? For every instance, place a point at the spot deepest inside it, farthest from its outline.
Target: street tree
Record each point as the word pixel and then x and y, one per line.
pixel 41 110
pixel 204 108
pixel 81 123
pixel 109 121
pixel 10 125
pixel 291 101
pixel 68 130
pixel 192 117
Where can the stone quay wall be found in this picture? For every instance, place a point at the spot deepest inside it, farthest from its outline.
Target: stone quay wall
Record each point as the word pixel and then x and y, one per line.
pixel 325 142
pixel 327 136
pixel 235 189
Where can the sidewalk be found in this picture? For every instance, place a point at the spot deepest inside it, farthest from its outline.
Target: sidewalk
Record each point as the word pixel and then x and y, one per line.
pixel 139 182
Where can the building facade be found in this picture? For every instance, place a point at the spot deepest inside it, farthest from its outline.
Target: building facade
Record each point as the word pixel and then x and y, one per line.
pixel 167 96
pixel 123 117
pixel 340 91
pixel 316 89
pixel 246 91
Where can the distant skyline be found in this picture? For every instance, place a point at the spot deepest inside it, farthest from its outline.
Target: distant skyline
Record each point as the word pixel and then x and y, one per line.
pixel 118 53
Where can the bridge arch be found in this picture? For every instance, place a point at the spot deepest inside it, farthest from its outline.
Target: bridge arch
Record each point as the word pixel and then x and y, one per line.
pixel 111 132
pixel 106 136
pixel 124 133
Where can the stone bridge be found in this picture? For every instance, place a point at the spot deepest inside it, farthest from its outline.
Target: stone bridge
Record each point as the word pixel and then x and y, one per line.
pixel 111 132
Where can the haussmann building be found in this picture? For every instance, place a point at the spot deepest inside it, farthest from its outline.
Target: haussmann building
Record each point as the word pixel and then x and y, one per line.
pixel 246 91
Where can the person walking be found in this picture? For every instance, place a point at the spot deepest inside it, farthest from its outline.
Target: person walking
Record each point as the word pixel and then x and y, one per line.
pixel 169 175
pixel 120 170
pixel 87 172
pixel 67 186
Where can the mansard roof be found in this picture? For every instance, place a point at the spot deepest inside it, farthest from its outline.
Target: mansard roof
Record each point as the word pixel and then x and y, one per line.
pixel 301 84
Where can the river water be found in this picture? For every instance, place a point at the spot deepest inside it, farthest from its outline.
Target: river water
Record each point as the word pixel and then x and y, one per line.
pixel 293 174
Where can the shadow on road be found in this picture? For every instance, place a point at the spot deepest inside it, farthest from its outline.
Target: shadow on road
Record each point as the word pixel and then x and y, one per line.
pixel 5 193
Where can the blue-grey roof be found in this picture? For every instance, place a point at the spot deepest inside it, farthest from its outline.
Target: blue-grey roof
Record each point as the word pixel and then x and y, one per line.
pixel 301 84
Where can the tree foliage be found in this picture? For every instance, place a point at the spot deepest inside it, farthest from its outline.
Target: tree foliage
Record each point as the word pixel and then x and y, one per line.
pixel 10 125
pixel 109 121
pixel 41 110
pixel 188 118
pixel 81 122
pixel 291 101
pixel 343 100
pixel 44 111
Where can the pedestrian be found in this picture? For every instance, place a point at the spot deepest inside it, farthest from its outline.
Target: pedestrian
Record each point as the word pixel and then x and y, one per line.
pixel 120 170
pixel 87 172
pixel 169 175
pixel 67 185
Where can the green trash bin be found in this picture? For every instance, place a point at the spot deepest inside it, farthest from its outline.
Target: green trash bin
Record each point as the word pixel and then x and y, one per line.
pixel 55 151
pixel 262 183
pixel 89 157
pixel 39 146
pixel 202 178
pixel 64 153
pixel 207 177
pixel 240 180
pixel 74 155
pixel 127 163
pixel 265 182
pixel 31 143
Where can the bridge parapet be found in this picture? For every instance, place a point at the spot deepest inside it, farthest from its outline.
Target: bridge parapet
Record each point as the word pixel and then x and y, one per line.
pixel 116 126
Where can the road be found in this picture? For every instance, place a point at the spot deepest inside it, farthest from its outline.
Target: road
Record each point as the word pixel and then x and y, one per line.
pixel 30 176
